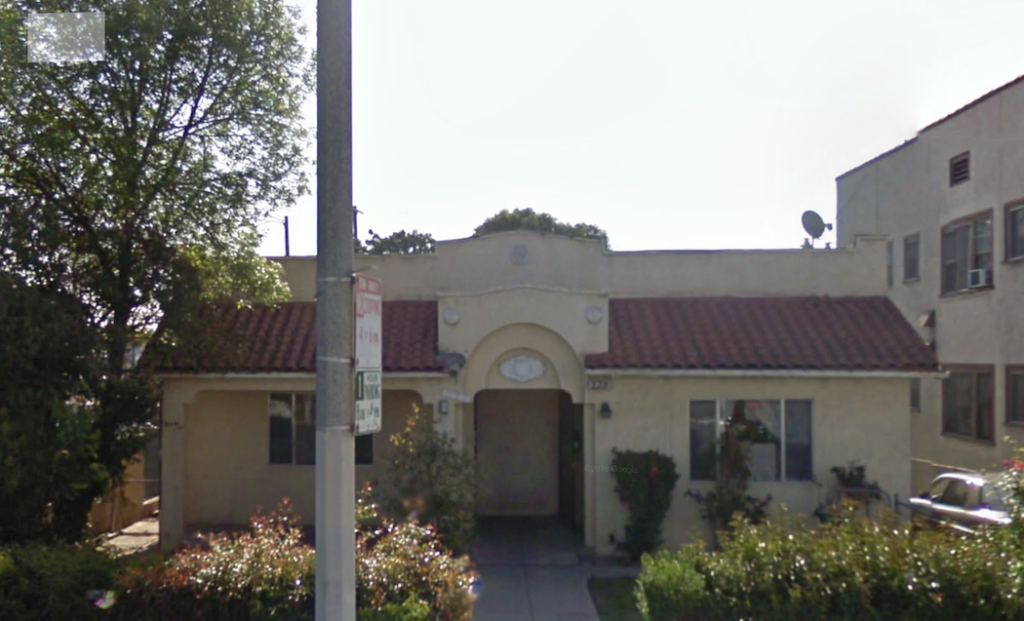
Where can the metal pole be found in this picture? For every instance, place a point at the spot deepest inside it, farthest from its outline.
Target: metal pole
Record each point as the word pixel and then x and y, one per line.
pixel 335 442
pixel 287 248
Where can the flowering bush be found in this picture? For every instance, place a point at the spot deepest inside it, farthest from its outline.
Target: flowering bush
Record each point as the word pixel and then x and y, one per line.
pixel 265 573
pixel 396 561
pixel 644 482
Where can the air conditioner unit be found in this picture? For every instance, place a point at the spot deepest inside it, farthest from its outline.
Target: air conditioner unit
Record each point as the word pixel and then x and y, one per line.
pixel 978 278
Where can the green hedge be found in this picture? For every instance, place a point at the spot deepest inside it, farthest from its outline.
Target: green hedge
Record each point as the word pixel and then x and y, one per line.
pixel 851 569
pixel 54 582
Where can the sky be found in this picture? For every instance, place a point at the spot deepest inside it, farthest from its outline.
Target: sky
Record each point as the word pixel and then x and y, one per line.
pixel 671 124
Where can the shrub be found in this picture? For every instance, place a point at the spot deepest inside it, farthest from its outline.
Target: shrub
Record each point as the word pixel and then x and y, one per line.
pixel 396 561
pixel 644 482
pixel 851 569
pixel 435 483
pixel 54 582
pixel 412 609
pixel 261 574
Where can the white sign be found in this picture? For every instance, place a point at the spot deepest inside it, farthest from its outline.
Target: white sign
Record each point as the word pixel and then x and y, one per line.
pixel 368 323
pixel 458 397
pixel 368 402
pixel 368 339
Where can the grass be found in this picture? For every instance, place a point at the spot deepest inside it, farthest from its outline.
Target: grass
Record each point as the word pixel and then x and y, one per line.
pixel 613 598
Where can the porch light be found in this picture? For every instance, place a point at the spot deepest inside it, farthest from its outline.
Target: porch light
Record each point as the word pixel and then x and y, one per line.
pixel 606 410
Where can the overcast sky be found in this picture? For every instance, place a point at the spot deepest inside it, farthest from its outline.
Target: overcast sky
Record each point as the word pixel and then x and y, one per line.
pixel 669 123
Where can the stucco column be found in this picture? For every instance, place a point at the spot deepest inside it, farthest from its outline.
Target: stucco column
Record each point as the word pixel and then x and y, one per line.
pixel 172 466
pixel 589 481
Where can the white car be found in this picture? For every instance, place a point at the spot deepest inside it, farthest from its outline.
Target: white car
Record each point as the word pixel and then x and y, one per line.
pixel 962 501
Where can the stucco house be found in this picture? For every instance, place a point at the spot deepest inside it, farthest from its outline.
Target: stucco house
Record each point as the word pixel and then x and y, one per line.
pixel 540 354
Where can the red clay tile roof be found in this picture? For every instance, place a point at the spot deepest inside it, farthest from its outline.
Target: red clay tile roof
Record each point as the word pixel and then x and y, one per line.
pixel 813 333
pixel 283 340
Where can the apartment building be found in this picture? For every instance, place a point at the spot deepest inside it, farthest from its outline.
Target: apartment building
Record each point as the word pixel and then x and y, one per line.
pixel 950 201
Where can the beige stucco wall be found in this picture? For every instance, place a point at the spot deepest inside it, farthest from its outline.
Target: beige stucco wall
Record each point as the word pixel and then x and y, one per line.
pixel 908 192
pixel 853 419
pixel 216 468
pixel 477 265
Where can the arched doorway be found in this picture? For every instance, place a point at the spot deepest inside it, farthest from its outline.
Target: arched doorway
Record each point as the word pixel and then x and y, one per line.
pixel 529 450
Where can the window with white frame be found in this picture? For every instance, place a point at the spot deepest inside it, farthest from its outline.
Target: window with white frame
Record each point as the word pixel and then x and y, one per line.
pixel 966 246
pixel 293 431
pixel 1015 231
pixel 778 433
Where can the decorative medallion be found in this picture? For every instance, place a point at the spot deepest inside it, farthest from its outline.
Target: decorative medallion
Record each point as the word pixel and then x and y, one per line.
pixel 451 316
pixel 519 254
pixel 595 314
pixel 522 369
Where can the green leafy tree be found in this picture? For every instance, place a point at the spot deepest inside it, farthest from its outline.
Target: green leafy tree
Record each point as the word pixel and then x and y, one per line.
pixel 400 242
pixel 48 446
pixel 529 220
pixel 134 184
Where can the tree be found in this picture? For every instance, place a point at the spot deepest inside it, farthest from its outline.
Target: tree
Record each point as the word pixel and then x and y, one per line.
pixel 529 220
pixel 134 184
pixel 400 242
pixel 47 447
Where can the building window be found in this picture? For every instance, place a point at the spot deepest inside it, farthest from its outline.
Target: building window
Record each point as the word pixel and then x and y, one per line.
pixel 1015 231
pixel 967 246
pixel 890 260
pixel 915 394
pixel 779 433
pixel 967 411
pixel 960 169
pixel 293 431
pixel 1015 396
pixel 911 257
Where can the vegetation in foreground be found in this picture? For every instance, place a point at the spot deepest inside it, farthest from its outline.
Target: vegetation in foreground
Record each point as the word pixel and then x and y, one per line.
pixel 403 574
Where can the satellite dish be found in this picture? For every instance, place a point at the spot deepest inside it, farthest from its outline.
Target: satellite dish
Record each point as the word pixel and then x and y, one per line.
pixel 814 225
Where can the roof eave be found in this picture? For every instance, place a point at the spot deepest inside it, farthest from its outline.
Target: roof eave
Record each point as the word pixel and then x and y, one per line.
pixel 772 373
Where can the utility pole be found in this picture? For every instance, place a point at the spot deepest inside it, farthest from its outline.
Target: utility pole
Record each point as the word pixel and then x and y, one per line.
pixel 287 246
pixel 335 416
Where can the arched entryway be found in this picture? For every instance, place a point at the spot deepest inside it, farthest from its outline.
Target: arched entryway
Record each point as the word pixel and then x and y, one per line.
pixel 529 450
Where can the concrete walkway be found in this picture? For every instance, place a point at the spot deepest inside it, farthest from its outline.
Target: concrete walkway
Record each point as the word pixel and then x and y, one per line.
pixel 531 570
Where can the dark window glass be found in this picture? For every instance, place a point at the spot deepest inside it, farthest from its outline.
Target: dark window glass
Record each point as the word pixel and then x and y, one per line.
pixel 798 441
pixel 305 429
pixel 984 424
pixel 938 489
pixel 364 450
pixel 890 259
pixel 956 494
pixel 915 394
pixel 1015 397
pixel 967 405
pixel 956 252
pixel 702 440
pixel 911 248
pixel 280 429
pixel 1015 233
pixel 760 424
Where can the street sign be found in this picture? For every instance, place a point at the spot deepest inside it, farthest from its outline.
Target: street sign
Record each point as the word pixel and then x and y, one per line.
pixel 369 308
pixel 368 323
pixel 368 402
